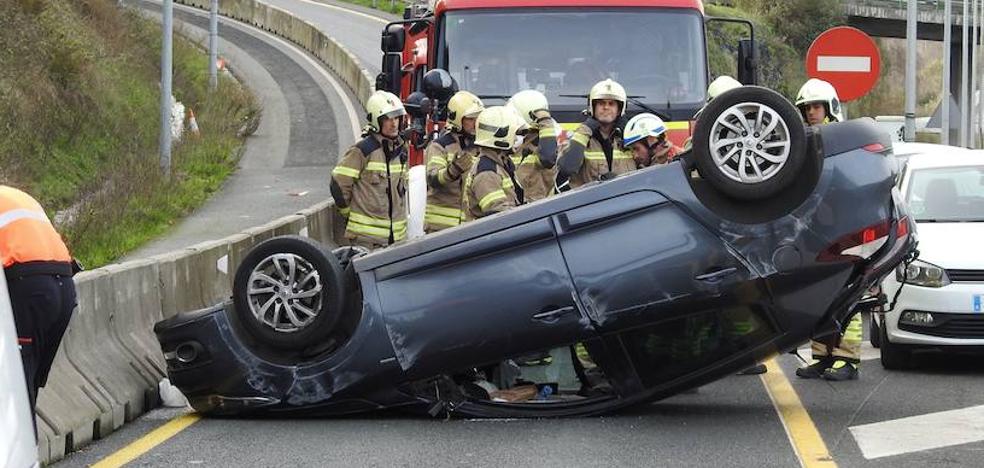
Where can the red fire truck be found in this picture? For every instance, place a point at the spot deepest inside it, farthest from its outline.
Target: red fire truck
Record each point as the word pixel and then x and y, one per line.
pixel 655 48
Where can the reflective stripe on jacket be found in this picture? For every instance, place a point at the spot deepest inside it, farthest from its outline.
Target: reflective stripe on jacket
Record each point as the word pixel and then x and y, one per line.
pixel 447 166
pixel 586 161
pixel 489 187
pixel 369 187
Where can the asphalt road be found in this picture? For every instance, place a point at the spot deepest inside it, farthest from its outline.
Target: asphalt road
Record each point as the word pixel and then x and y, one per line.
pixel 883 419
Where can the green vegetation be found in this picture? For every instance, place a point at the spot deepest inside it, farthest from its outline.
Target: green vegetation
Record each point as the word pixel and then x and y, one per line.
pixel 79 128
pixel 389 6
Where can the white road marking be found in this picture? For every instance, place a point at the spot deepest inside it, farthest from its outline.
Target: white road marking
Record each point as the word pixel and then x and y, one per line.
pixel 839 63
pixel 354 118
pixel 346 10
pixel 918 433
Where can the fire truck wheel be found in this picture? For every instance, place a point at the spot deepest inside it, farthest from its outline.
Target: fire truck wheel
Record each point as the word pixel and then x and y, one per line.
pixel 289 292
pixel 749 143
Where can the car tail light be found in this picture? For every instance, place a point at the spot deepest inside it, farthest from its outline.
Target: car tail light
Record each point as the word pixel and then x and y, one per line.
pixel 875 148
pixel 858 245
pixel 902 229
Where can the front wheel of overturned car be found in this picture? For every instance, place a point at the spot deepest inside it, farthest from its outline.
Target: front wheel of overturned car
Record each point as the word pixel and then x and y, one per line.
pixel 289 292
pixel 750 143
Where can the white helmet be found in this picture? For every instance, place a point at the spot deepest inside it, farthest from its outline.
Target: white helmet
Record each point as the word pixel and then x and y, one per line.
pixel 527 103
pixel 642 126
pixel 607 89
pixel 463 105
pixel 496 128
pixel 721 85
pixel 383 104
pixel 819 91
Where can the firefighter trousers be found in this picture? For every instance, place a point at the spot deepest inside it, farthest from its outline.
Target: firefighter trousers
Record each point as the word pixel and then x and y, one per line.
pixel 846 346
pixel 43 306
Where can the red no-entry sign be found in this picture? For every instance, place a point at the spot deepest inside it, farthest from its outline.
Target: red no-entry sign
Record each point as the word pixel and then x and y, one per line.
pixel 846 58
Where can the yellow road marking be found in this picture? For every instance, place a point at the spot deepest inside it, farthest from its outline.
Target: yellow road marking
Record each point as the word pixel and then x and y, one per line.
pixel 146 443
pixel 803 435
pixel 346 10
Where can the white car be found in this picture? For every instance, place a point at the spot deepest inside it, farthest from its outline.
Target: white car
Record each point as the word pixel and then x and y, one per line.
pixel 17 445
pixel 941 304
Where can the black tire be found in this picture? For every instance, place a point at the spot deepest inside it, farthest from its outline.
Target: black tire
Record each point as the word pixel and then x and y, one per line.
pixel 718 122
pixel 874 335
pixel 322 292
pixel 893 356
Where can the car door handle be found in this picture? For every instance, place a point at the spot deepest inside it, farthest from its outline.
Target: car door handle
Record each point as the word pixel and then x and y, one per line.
pixel 716 275
pixel 551 316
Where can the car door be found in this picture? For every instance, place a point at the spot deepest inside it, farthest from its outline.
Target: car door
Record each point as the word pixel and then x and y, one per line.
pixel 481 301
pixel 665 293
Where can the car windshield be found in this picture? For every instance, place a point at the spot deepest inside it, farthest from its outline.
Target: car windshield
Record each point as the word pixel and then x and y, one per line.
pixel 949 194
pixel 656 54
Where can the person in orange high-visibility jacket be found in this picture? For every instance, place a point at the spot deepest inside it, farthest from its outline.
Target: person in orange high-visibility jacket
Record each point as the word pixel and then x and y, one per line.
pixel 39 272
pixel 369 184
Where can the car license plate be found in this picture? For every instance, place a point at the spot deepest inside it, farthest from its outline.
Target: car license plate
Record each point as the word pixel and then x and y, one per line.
pixel 978 299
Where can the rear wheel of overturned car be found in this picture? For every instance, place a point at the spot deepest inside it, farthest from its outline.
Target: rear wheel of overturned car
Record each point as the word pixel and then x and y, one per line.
pixel 289 292
pixel 750 143
pixel 893 356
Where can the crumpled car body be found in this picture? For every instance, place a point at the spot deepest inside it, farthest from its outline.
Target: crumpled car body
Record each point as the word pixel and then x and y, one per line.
pixel 664 283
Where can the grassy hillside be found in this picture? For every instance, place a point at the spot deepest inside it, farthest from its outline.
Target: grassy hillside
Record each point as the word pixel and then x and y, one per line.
pixel 79 94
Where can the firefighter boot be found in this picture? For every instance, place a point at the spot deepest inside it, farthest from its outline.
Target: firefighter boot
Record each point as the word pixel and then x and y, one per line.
pixel 815 370
pixel 841 370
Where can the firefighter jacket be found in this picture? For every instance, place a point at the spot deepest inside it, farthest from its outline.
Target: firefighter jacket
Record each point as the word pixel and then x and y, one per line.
pixel 491 185
pixel 536 162
pixel 449 158
pixel 590 157
pixel 369 187
pixel 29 244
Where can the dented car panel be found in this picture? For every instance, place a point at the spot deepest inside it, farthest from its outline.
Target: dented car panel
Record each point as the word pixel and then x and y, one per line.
pixel 665 286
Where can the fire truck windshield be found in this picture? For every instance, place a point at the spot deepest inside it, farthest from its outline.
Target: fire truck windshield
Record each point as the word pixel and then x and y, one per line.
pixel 653 52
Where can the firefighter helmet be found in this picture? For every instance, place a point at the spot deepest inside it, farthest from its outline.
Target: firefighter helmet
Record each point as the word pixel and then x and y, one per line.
pixel 819 91
pixel 527 103
pixel 720 85
pixel 496 128
pixel 383 104
pixel 461 106
pixel 607 89
pixel 642 126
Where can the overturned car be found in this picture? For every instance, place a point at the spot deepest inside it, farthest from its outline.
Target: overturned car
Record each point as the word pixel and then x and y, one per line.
pixel 626 291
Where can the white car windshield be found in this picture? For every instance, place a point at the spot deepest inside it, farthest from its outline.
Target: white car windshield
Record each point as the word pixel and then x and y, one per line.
pixel 656 54
pixel 947 194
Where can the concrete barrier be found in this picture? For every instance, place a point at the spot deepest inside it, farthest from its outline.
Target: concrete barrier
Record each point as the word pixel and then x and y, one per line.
pixel 107 369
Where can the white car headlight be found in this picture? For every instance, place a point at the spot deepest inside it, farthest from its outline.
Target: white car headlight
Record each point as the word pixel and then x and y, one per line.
pixel 921 273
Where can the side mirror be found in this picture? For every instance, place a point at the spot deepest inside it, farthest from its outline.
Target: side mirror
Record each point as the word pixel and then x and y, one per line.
pixel 394 38
pixel 390 76
pixel 439 85
pixel 747 62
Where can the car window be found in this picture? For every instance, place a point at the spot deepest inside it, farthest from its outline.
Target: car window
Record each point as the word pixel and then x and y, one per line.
pixel 949 194
pixel 676 347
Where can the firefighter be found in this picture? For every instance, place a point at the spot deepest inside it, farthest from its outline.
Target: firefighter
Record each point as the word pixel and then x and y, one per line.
pixel 595 151
pixel 449 158
pixel 536 158
pixel 719 86
pixel 817 101
pixel 645 136
pixel 836 356
pixel 491 184
pixel 369 183
pixel 39 273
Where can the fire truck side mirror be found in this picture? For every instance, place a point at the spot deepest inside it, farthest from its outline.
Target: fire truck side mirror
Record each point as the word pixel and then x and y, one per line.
pixel 439 85
pixel 747 62
pixel 394 38
pixel 390 76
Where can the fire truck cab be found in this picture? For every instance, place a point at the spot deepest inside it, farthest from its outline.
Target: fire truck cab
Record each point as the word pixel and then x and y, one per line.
pixel 494 48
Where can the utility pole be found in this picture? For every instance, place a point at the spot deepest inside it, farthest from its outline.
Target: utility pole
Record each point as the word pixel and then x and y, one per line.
pixel 910 72
pixel 165 143
pixel 947 48
pixel 965 77
pixel 972 111
pixel 213 46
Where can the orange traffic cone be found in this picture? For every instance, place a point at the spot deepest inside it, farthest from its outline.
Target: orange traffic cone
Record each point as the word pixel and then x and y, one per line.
pixel 192 123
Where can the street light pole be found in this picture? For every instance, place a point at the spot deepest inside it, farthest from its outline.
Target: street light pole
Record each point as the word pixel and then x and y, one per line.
pixel 964 76
pixel 213 45
pixel 165 137
pixel 947 48
pixel 910 73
